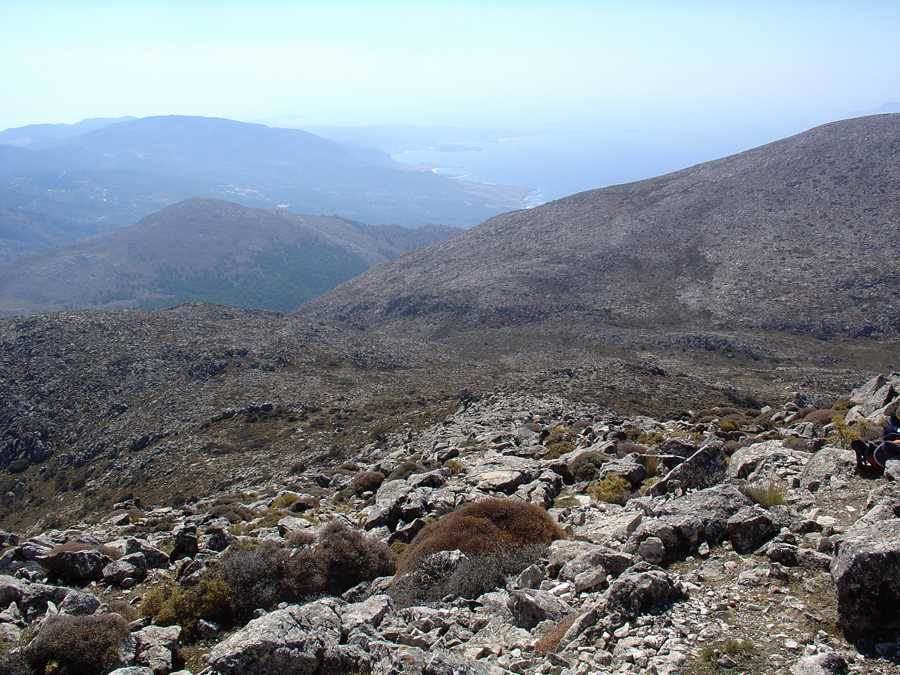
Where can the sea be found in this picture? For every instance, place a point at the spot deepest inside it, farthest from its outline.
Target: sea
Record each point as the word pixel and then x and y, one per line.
pixel 554 165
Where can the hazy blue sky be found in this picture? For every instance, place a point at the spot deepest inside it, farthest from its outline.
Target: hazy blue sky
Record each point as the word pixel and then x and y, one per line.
pixel 718 75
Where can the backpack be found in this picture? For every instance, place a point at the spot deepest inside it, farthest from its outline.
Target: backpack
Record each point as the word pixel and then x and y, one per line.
pixel 875 455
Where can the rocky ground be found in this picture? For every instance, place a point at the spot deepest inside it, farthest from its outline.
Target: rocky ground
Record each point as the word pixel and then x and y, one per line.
pixel 741 541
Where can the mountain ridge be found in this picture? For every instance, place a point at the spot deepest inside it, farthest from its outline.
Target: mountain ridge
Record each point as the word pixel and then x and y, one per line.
pixel 794 235
pixel 268 258
pixel 127 169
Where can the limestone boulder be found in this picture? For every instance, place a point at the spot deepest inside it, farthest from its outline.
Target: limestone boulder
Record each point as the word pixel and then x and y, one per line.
pixel 826 466
pixel 767 461
pixel 866 571
pixel 704 468
pixel 290 640
pixel 78 566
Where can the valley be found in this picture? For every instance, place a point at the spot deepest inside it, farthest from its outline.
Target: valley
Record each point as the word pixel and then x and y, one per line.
pixel 646 393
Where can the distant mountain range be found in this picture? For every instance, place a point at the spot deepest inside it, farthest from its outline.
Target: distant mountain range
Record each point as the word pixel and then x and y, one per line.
pixel 796 235
pixel 102 174
pixel 768 277
pixel 210 250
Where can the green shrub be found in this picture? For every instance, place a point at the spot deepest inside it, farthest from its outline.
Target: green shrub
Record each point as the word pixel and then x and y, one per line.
pixel 233 513
pixel 566 502
pixel 710 654
pixel 766 495
pixel 651 465
pixel 77 645
pixel 405 470
pixel 454 466
pixel 844 434
pixel 439 576
pixel 284 500
pixel 795 443
pixel 18 466
pixel 210 599
pixel 644 437
pixel 586 465
pixel 612 490
pixel 367 481
pixel 261 577
pixel 557 448
pixel 820 418
pixel 625 448
pixel 729 425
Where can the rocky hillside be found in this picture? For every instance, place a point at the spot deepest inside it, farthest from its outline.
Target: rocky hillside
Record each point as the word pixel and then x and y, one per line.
pixel 797 235
pixel 733 541
pixel 180 402
pixel 204 249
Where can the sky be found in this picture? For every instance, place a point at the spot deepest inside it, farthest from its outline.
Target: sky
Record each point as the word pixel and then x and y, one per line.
pixel 678 81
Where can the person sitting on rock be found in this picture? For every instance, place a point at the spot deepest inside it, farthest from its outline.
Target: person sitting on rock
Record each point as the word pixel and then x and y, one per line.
pixel 876 455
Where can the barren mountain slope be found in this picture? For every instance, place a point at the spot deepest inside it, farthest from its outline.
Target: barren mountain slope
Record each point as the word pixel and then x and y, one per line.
pixel 798 234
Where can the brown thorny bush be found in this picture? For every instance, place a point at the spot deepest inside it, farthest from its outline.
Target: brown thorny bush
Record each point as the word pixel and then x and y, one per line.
pixel 76 645
pixel 367 481
pixel 296 570
pixel 497 536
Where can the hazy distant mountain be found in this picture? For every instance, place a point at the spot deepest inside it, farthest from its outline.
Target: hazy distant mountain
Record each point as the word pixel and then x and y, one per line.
pixel 36 136
pixel 113 173
pixel 203 249
pixel 800 234
pixel 22 232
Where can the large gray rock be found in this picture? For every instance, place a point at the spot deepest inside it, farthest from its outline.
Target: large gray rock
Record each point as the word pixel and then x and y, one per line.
pixel 370 612
pixel 643 589
pixel 569 558
pixel 32 599
pixel 712 506
pixel 767 461
pixel 826 465
pixel 679 535
pixel 11 589
pixel 388 499
pixel 157 648
pixel 529 607
pixel 829 663
pixel 873 397
pixel 75 566
pixel 866 573
pixel 446 663
pixel 600 528
pixel 129 568
pixel 343 659
pixel 676 447
pixel 152 555
pixel 290 640
pixel 750 528
pixel 883 504
pixel 704 468
pixel 77 603
pixel 187 544
pixel 502 473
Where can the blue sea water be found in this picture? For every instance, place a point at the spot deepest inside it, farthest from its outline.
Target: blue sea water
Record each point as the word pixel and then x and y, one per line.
pixel 559 164
pixel 554 165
